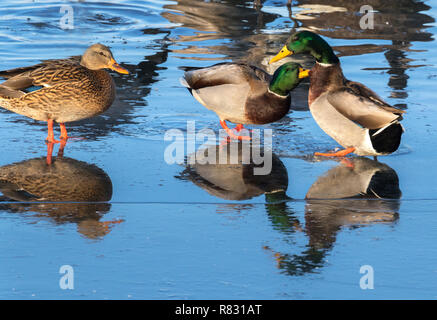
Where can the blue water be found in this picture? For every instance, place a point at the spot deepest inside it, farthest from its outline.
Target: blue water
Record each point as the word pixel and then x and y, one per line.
pixel 169 233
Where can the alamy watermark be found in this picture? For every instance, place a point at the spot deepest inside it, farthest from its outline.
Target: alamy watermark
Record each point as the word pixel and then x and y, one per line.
pixel 367 280
pixel 366 21
pixel 67 20
pixel 67 279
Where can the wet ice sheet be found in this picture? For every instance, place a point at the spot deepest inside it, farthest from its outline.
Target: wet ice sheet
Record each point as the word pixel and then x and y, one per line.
pixel 171 233
pixel 212 251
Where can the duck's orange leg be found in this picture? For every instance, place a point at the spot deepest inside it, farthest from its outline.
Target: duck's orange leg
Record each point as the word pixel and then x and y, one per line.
pixel 50 135
pixel 340 153
pixel 64 135
pixel 49 153
pixel 61 148
pixel 239 127
pixel 225 141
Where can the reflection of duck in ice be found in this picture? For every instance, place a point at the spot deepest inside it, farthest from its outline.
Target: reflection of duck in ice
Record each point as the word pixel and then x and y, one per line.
pixel 235 178
pixel 357 177
pixel 355 193
pixel 352 194
pixel 57 190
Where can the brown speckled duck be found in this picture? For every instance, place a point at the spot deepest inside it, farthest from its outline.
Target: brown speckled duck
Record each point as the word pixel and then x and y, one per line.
pixel 66 89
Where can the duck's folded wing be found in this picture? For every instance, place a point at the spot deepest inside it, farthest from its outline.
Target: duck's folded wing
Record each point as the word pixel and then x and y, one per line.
pixel 6 92
pixel 227 100
pixel 45 63
pixel 223 73
pixel 44 74
pixel 363 91
pixel 361 109
pixel 65 93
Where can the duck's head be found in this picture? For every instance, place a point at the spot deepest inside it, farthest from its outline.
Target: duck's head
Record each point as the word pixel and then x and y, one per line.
pixel 287 77
pixel 308 42
pixel 98 56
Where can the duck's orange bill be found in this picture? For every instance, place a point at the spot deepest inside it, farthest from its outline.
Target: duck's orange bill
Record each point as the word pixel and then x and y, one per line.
pixel 282 54
pixel 116 67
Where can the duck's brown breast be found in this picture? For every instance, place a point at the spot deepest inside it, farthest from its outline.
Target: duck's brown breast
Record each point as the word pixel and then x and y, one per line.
pixel 87 98
pixel 105 89
pixel 323 79
pixel 266 108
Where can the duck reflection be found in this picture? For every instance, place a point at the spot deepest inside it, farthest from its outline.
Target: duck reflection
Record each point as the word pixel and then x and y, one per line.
pixel 66 191
pixel 359 192
pixel 403 20
pixel 231 173
pixel 356 193
pixel 236 20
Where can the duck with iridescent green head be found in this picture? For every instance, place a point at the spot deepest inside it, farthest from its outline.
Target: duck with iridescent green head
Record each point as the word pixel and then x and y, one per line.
pixel 244 94
pixel 348 111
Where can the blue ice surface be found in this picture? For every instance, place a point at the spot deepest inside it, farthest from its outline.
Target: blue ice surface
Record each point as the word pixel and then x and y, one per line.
pixel 166 234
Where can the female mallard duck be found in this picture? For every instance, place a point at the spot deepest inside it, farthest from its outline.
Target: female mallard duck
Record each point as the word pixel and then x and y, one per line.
pixel 67 89
pixel 244 94
pixel 352 114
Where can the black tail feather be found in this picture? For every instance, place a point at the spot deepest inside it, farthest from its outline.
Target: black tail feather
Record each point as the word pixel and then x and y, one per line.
pixel 388 140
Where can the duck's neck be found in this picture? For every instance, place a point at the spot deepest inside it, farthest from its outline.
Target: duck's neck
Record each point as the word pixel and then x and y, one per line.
pixel 278 90
pixel 323 78
pixel 323 53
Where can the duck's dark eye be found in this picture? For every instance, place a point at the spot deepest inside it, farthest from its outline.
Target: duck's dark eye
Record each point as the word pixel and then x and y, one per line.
pixel 102 54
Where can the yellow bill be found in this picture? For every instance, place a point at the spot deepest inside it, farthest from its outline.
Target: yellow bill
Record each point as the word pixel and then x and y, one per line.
pixel 303 73
pixel 282 54
pixel 116 67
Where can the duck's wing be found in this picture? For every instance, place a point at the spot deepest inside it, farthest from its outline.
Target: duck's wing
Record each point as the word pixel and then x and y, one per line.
pixel 45 74
pixel 361 90
pixel 224 88
pixel 361 105
pixel 224 73
pixel 44 63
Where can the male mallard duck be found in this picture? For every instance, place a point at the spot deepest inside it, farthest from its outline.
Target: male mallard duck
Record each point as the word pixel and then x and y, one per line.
pixel 244 94
pixel 67 89
pixel 352 114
